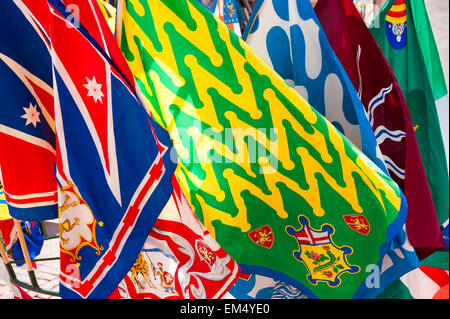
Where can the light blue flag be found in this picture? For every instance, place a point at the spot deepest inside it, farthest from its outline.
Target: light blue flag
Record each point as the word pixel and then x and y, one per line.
pixel 255 286
pixel 288 36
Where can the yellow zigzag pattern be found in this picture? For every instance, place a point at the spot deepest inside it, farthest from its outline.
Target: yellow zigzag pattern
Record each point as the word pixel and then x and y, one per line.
pixel 165 58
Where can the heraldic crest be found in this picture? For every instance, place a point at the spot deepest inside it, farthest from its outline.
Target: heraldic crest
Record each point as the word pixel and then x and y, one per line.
pixel 323 259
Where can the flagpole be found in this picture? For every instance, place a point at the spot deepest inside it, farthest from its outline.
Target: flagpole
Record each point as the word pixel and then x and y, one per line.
pixel 23 245
pixel 26 255
pixel 4 254
pixel 119 11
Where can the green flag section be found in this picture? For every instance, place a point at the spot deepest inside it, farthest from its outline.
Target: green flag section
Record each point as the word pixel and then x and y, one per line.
pixel 429 49
pixel 396 31
pixel 281 190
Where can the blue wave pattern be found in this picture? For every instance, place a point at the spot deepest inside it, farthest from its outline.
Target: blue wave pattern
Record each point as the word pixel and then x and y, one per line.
pixel 262 287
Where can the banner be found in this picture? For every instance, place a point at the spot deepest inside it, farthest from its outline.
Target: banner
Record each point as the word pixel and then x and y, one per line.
pixel 277 186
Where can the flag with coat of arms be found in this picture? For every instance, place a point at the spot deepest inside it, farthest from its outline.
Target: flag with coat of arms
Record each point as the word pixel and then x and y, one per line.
pixel 289 36
pixel 195 267
pixel 105 218
pixel 405 37
pixel 256 161
pixel 227 11
pixel 388 112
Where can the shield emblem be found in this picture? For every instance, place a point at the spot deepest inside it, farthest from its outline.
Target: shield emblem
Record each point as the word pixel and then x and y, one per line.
pixel 396 25
pixel 262 236
pixel 324 260
pixel 206 253
pixel 168 278
pixel 358 223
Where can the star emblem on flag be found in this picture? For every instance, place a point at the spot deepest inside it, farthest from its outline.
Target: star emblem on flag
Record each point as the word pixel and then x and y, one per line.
pixel 94 89
pixel 31 115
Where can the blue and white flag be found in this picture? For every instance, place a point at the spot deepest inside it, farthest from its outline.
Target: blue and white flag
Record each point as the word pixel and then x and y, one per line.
pixel 288 36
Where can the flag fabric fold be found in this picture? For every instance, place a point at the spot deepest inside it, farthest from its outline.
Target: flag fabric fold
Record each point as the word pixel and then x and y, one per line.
pixel 397 36
pixel 439 88
pixel 429 49
pixel 288 36
pixel 187 261
pixel 27 128
pixel 4 213
pixel 278 187
pixel 269 198
pixel 96 116
pixel 387 111
pixel 179 259
pixel 114 168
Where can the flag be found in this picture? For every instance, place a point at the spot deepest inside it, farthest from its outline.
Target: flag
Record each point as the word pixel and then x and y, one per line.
pixel 252 286
pixel 227 11
pixel 388 114
pixel 425 282
pixel 96 115
pixel 109 13
pixel 190 263
pixel 33 237
pixel 425 35
pixel 8 232
pixel 73 222
pixel 4 213
pixel 88 15
pixel 288 36
pixel 270 178
pixel 435 73
pixel 179 259
pixel 27 128
pixel 397 36
pixel 367 9
pixel 262 35
pixel 429 49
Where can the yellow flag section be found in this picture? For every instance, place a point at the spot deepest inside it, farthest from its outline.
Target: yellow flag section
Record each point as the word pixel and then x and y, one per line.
pixel 109 12
pixel 257 163
pixel 4 213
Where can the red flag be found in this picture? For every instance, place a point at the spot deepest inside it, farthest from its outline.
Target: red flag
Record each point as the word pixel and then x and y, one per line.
pixel 180 259
pixel 90 16
pixel 388 113
pixel 27 123
pixel 427 282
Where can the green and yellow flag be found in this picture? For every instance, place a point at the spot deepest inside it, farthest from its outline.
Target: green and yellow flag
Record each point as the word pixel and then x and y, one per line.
pixel 280 189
